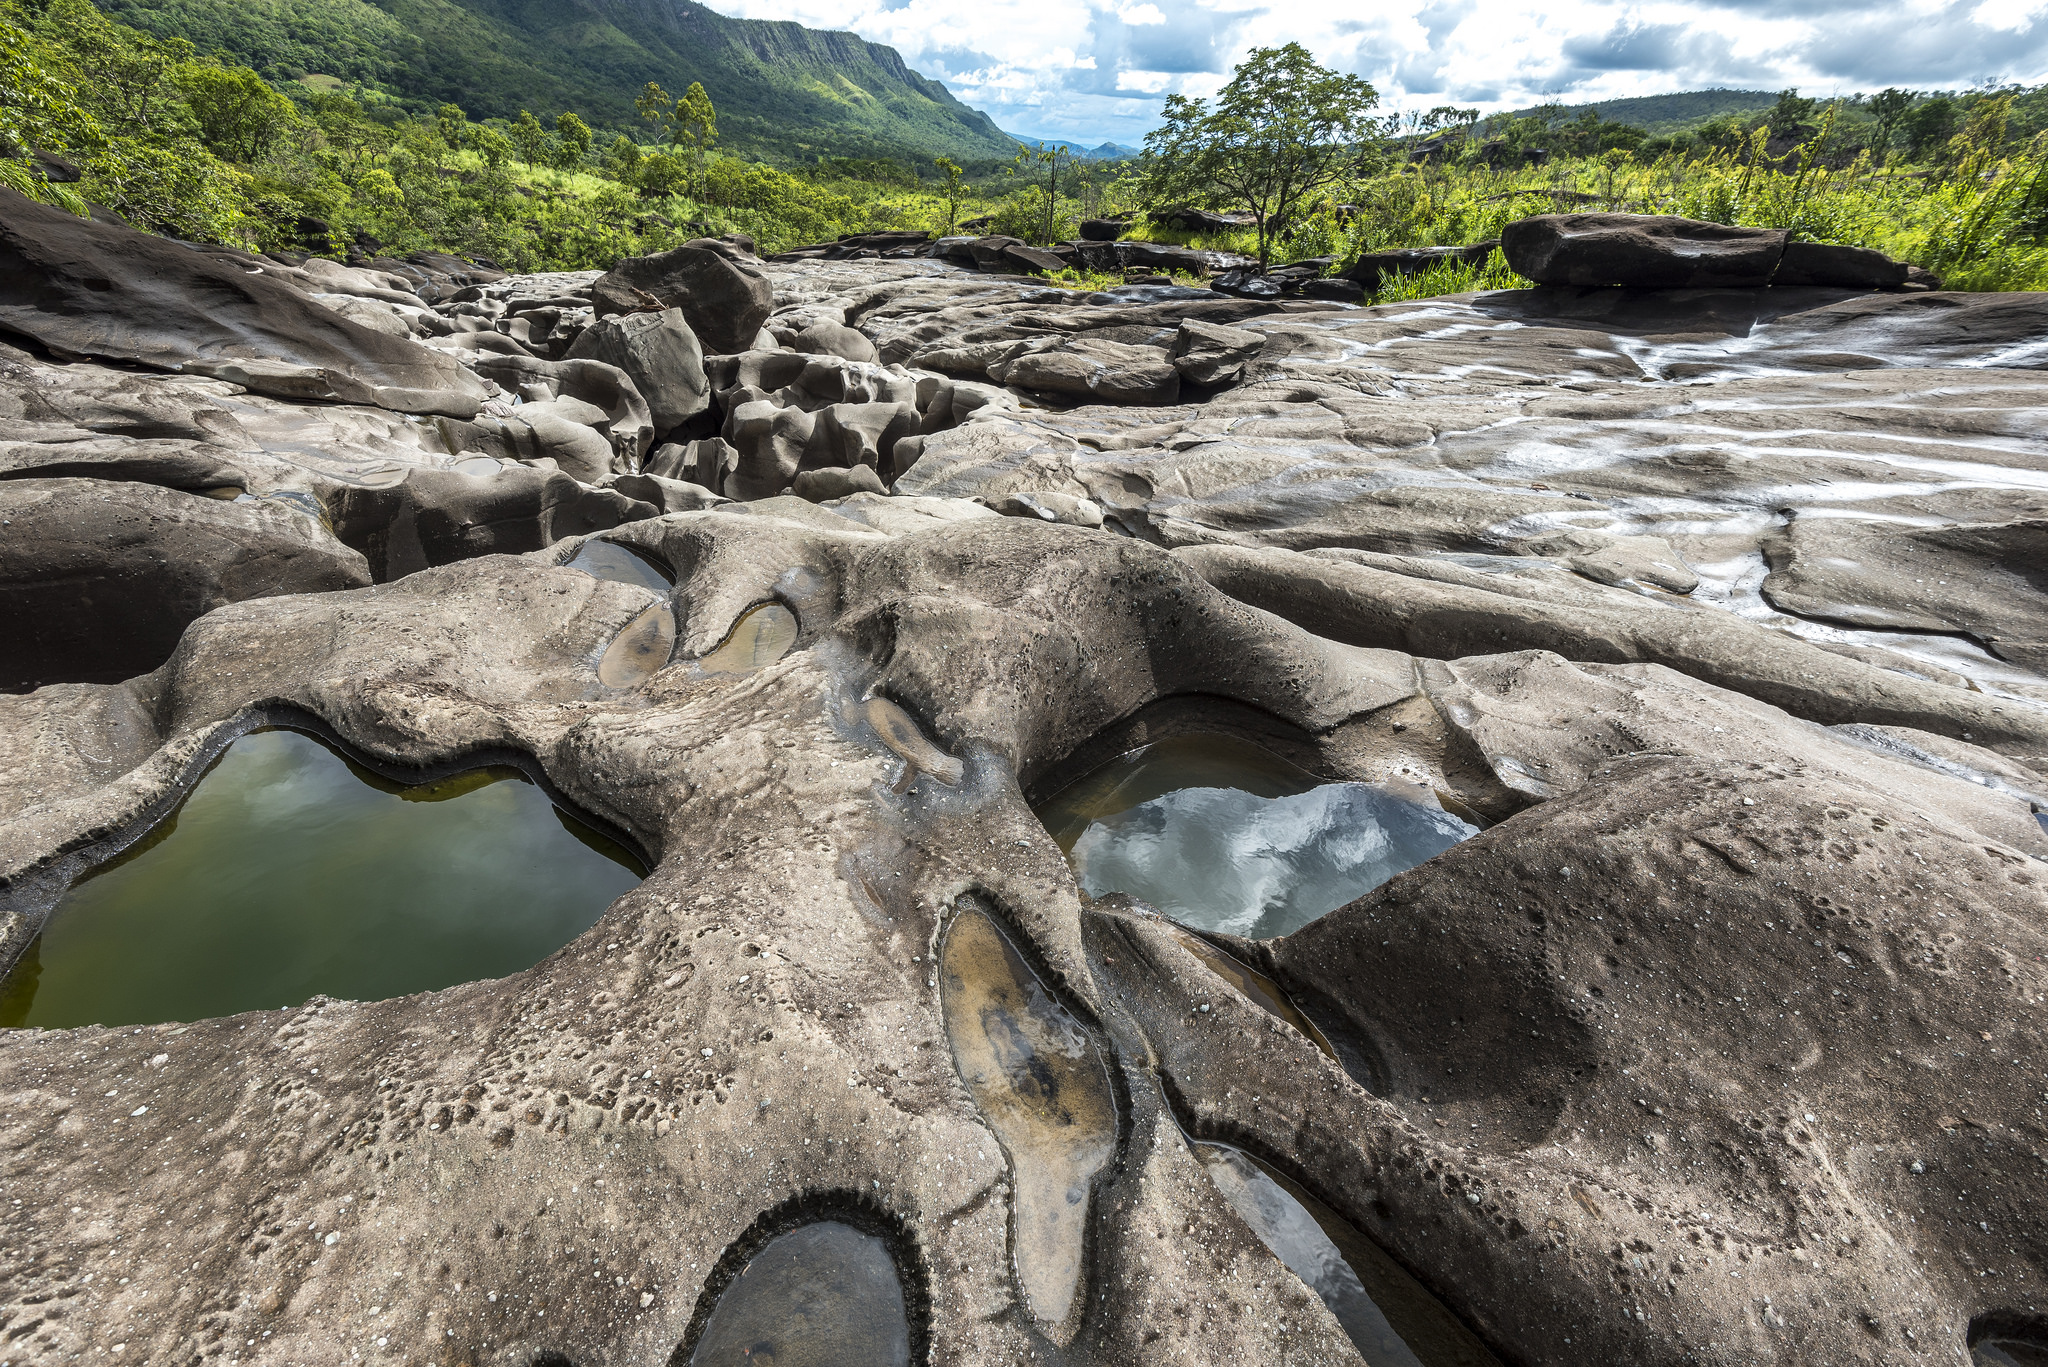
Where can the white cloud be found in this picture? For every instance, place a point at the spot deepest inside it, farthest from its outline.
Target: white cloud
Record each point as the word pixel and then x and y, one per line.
pixel 1087 70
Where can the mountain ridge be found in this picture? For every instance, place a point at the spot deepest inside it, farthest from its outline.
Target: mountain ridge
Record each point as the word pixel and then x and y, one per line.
pixel 781 89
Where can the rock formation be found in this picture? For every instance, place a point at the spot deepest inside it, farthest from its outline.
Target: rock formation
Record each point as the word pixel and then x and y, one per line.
pixel 1719 610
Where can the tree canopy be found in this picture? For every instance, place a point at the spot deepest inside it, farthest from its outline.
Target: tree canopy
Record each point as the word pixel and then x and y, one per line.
pixel 1282 129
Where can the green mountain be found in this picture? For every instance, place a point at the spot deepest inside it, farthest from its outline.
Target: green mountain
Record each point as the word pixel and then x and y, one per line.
pixel 1663 115
pixel 782 90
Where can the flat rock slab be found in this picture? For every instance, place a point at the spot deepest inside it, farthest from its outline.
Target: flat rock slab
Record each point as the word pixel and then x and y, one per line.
pixel 83 288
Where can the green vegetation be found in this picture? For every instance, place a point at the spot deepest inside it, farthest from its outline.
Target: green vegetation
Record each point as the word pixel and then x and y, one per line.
pixel 205 149
pixel 1283 129
pixel 1956 184
pixel 783 92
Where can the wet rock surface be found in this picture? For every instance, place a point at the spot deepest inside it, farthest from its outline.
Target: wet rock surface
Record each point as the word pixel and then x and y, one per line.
pixel 1715 613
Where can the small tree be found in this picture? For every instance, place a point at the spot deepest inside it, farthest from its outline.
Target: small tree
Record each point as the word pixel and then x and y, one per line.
pixel 1890 107
pixel 1790 113
pixel 622 160
pixel 1281 130
pixel 529 137
pixel 573 140
pixel 1030 160
pixel 689 120
pixel 952 192
pixel 453 125
pixel 240 117
pixel 696 121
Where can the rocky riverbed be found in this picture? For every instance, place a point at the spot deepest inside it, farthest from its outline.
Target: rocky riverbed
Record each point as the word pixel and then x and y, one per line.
pixel 1700 634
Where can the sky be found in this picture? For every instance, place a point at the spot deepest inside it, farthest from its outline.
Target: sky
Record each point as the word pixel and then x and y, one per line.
pixel 1093 70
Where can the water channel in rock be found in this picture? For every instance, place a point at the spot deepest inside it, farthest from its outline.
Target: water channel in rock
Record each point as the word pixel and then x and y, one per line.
pixel 291 870
pixel 1040 1082
pixel 1223 835
pixel 822 1295
pixel 2001 1350
pixel 1389 1316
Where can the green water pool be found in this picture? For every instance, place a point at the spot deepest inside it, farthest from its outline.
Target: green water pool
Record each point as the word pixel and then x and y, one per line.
pixel 291 870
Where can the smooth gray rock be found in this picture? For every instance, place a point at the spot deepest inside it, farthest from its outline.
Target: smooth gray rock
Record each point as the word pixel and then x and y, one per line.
pixel 1641 251
pixel 661 356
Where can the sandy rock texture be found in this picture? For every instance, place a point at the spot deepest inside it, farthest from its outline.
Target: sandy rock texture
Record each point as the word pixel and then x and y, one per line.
pixel 1720 610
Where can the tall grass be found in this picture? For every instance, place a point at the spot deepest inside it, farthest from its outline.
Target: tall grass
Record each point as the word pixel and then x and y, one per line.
pixel 1978 218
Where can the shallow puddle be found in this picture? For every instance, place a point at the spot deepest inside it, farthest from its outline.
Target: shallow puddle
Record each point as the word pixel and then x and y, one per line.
pixel 762 636
pixel 1224 835
pixel 823 1295
pixel 640 649
pixel 622 564
pixel 1389 1316
pixel 1041 1084
pixel 289 870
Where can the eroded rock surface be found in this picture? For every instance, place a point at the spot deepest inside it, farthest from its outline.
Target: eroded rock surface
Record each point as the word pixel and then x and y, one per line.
pixel 1717 613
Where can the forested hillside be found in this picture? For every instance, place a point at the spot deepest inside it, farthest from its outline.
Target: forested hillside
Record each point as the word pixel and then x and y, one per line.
pixel 781 89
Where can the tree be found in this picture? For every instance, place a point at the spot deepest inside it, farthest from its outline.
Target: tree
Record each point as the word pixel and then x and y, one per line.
pixel 690 119
pixel 1789 113
pixel 696 120
pixel 1282 129
pixel 1030 159
pixel 573 140
pixel 1889 107
pixel 952 192
pixel 240 117
pixel 453 124
pixel 529 137
pixel 622 160
pixel 1930 124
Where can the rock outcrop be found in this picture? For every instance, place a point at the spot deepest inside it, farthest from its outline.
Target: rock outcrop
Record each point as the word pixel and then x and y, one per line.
pixel 1712 616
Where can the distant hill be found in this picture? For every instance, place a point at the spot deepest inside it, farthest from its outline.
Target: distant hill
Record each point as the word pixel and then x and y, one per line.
pixel 781 90
pixel 1662 115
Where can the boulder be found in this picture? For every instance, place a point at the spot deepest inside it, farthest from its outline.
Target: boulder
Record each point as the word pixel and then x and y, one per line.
pixel 1206 354
pixel 660 354
pixel 98 579
pixel 1203 221
pixel 848 434
pixel 1824 263
pixel 1371 270
pixel 84 288
pixel 821 485
pixel 1248 282
pixel 724 296
pixel 1641 251
pixel 436 517
pixel 1335 289
pixel 1033 260
pixel 768 442
pixel 1103 229
pixel 1099 371
pixel 597 383
pixel 987 252
pixel 836 339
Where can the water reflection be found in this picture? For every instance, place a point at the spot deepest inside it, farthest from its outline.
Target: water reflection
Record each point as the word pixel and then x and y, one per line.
pixel 1226 836
pixel 290 870
pixel 1388 1315
pixel 823 1295
pixel 622 564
